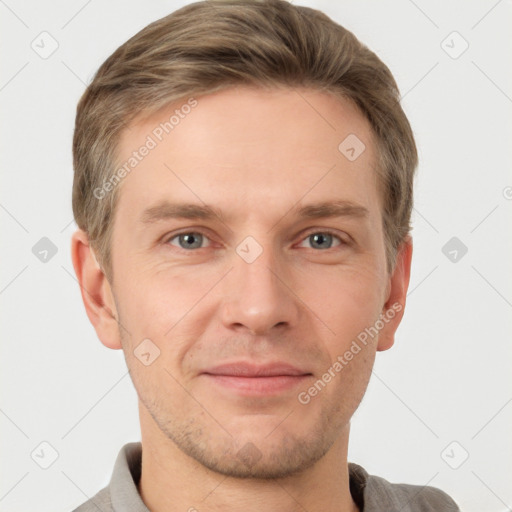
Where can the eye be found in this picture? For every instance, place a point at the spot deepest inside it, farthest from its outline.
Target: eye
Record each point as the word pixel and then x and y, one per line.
pixel 323 239
pixel 188 240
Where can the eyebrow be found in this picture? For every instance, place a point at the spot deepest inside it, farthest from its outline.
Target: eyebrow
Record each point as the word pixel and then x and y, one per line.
pixel 327 209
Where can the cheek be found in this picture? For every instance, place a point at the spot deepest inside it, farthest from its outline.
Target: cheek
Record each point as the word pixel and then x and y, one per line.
pixel 157 300
pixel 346 299
pixel 354 378
pixel 163 307
pixel 336 394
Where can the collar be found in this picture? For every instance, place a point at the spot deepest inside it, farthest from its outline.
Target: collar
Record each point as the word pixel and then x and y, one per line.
pixel 127 471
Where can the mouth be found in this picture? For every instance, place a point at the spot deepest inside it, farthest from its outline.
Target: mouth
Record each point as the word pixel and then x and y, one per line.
pixel 249 379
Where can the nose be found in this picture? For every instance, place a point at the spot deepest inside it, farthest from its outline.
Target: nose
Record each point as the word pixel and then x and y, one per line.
pixel 258 295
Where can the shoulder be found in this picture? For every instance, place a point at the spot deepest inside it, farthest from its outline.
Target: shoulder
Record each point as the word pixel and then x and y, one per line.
pixel 100 501
pixel 381 494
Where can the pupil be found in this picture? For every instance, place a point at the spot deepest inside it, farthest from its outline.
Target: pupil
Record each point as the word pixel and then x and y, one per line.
pixel 319 238
pixel 190 239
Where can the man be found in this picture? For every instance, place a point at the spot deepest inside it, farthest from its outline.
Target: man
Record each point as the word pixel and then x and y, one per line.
pixel 243 189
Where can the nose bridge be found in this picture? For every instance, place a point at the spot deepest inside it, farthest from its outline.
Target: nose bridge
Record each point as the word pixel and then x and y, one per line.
pixel 255 295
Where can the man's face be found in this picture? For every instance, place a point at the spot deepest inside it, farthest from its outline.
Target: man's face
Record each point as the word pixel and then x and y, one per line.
pixel 259 286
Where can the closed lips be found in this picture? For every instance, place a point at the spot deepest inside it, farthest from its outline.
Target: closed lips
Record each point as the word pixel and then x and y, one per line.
pixel 251 370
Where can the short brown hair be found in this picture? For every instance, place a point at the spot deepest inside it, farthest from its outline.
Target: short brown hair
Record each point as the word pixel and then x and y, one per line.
pixel 214 44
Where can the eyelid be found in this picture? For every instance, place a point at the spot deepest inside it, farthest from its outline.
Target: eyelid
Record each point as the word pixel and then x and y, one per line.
pixel 200 231
pixel 204 232
pixel 330 231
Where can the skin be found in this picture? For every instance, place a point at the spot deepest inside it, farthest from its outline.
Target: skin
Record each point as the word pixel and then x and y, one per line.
pixel 255 155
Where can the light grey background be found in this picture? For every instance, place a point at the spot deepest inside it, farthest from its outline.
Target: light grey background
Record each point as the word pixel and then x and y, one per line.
pixel 448 377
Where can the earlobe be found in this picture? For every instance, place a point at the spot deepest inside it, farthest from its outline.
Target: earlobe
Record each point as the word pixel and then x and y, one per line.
pixel 96 291
pixel 394 306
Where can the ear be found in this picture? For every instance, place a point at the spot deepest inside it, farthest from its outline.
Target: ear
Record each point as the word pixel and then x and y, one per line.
pixel 394 306
pixel 96 292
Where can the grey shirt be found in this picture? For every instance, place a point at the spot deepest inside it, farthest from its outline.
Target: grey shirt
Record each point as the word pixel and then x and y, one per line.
pixel 370 493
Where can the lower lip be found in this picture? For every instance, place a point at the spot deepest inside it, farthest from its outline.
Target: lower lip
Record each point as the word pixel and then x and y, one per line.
pixel 258 385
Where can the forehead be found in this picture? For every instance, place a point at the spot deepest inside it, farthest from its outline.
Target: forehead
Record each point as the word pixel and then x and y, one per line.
pixel 244 147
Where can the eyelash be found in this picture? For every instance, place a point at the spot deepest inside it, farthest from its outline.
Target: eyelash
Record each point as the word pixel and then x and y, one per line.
pixel 314 231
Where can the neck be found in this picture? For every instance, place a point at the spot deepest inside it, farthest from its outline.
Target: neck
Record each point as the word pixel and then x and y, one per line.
pixel 172 481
